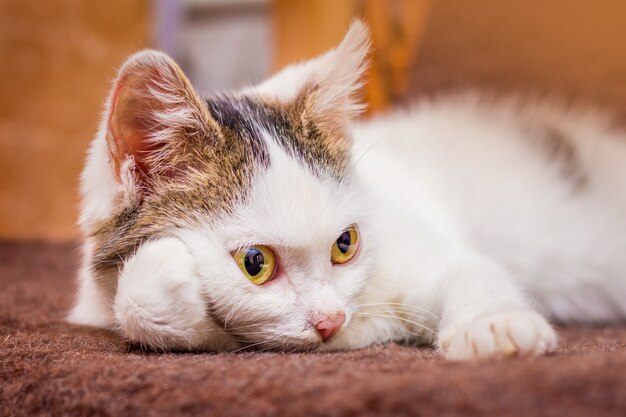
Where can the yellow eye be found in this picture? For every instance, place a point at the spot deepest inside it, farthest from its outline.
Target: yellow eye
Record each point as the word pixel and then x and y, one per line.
pixel 257 263
pixel 346 246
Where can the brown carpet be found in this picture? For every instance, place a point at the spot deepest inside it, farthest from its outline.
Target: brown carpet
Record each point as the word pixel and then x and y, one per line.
pixel 48 367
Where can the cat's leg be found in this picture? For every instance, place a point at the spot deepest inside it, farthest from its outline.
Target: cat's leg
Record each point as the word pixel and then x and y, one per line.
pixel 92 307
pixel 484 314
pixel 160 300
pixel 93 301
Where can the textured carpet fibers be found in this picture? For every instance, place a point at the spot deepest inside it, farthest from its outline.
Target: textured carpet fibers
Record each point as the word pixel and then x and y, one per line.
pixel 48 367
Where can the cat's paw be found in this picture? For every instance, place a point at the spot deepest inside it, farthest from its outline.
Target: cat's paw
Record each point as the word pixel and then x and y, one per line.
pixel 503 334
pixel 160 302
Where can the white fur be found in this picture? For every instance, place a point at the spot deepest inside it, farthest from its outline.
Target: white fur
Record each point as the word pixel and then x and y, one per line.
pixel 466 226
pixel 487 184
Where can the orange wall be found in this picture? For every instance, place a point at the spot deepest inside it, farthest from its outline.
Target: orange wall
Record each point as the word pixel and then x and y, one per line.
pixel 573 47
pixel 57 58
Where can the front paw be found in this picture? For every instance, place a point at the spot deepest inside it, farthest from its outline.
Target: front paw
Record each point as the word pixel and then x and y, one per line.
pixel 504 334
pixel 160 301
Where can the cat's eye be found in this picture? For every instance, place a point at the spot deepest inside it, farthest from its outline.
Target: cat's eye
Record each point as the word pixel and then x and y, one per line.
pixel 346 246
pixel 258 263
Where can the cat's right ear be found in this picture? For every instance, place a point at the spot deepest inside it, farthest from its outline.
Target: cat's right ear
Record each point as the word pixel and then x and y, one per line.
pixel 329 84
pixel 152 111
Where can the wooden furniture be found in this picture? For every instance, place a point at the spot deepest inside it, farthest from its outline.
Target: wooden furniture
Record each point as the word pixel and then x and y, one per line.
pixel 304 29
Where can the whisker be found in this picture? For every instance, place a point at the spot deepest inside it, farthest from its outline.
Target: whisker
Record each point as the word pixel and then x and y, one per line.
pixel 245 334
pixel 388 316
pixel 369 148
pixel 405 330
pixel 401 305
pixel 232 308
pixel 235 329
pixel 246 347
pixel 399 314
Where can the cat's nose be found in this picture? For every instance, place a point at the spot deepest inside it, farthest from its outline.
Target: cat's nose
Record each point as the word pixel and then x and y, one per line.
pixel 329 326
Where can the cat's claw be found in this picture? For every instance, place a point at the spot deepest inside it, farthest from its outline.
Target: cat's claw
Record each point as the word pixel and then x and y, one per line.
pixel 503 334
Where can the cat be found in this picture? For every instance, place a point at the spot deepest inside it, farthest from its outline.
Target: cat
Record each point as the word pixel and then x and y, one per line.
pixel 271 218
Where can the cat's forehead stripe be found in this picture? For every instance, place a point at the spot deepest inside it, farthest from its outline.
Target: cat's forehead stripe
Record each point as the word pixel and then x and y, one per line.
pixel 238 122
pixel 317 148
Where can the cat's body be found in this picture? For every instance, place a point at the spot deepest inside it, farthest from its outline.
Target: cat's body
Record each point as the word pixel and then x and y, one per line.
pixel 470 213
pixel 535 186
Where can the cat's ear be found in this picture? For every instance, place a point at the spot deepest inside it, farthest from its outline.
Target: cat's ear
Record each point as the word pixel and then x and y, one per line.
pixel 329 84
pixel 152 111
pixel 331 93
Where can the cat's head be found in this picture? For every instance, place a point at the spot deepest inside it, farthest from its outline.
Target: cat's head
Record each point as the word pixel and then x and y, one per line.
pixel 258 184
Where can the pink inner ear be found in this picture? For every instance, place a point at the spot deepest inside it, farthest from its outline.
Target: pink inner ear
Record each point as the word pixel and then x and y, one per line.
pixel 126 128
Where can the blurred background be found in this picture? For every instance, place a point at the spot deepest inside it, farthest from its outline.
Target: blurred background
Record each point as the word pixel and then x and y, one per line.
pixel 58 58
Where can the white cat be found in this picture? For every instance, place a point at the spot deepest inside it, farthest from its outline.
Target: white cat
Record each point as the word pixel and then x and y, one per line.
pixel 269 219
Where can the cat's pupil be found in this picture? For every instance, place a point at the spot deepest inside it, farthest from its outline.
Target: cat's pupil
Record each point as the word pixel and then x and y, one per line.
pixel 344 241
pixel 254 261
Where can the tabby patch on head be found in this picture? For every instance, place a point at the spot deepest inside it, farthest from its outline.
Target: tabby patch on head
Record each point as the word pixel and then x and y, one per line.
pixel 182 160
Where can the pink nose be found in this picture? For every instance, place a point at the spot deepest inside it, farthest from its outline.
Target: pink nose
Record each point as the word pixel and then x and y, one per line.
pixel 328 327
